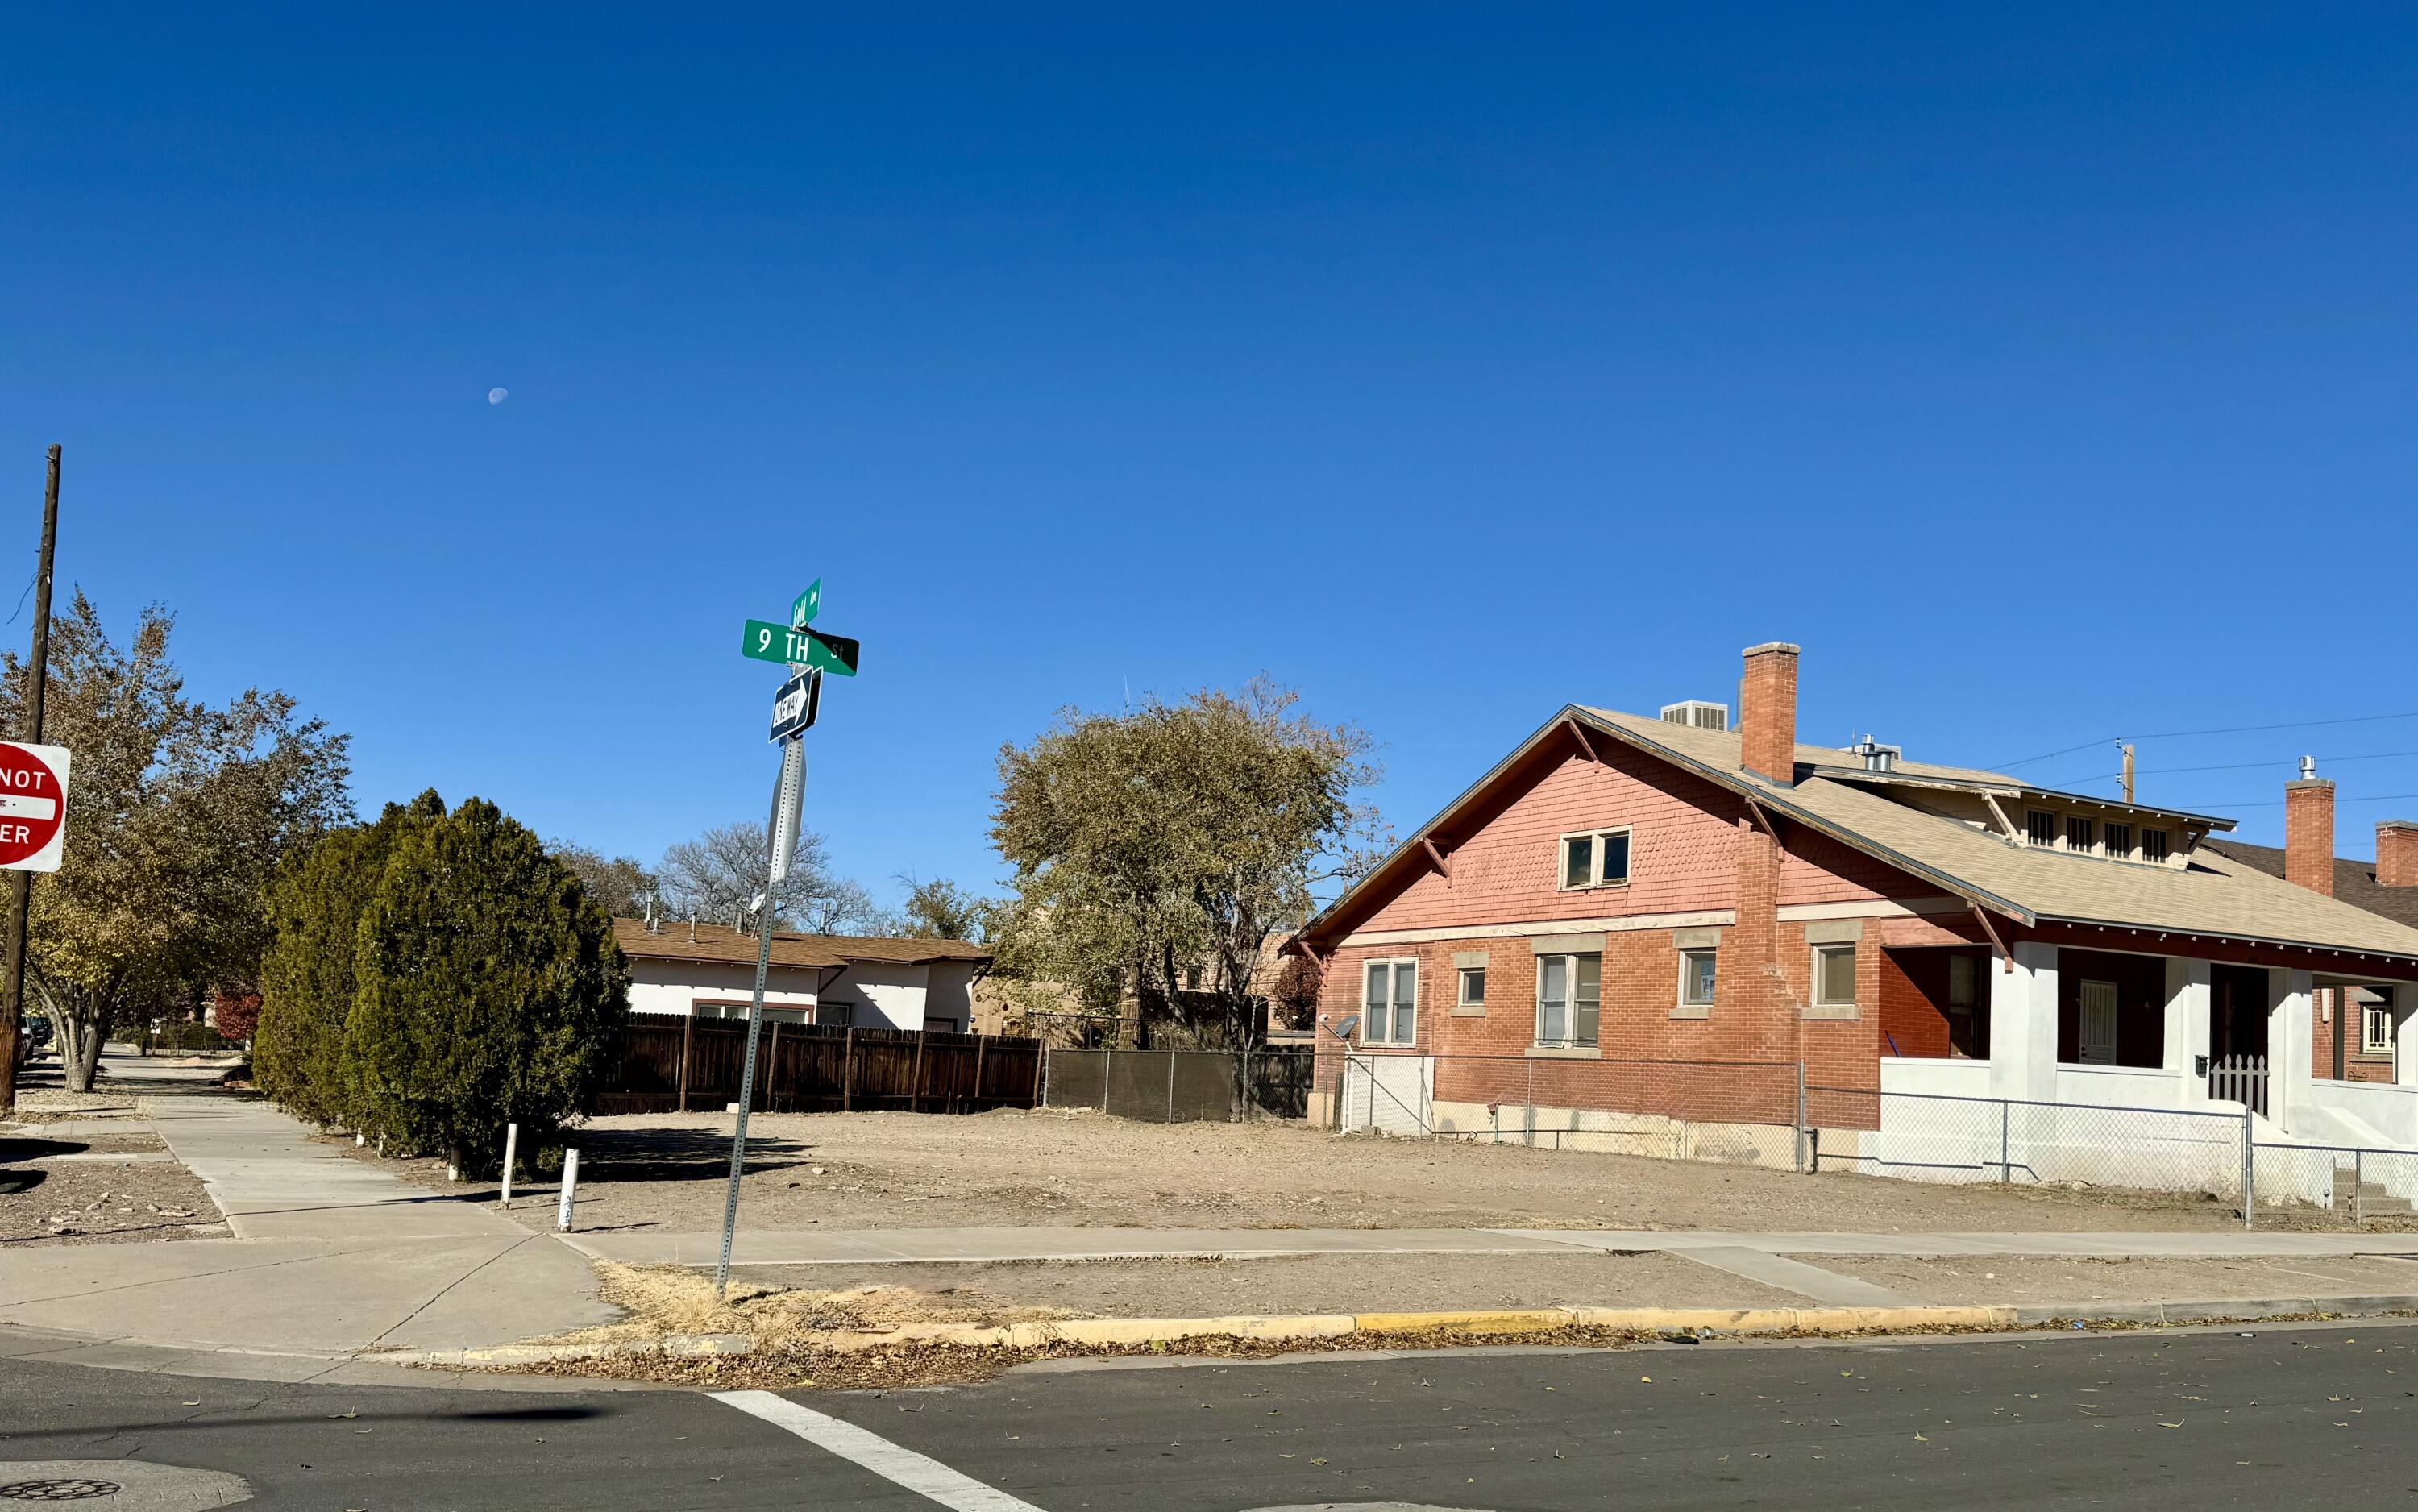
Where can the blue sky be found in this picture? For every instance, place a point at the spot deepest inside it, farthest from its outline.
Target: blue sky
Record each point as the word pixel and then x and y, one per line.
pixel 2046 374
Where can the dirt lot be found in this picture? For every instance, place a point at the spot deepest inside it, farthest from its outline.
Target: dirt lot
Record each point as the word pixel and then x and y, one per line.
pixel 903 1170
pixel 97 1188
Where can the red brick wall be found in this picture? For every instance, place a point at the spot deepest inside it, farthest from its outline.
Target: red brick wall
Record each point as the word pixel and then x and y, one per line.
pixel 2357 1065
pixel 1679 857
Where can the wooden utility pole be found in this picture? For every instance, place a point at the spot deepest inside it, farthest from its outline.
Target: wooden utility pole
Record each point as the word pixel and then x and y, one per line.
pixel 21 884
pixel 2127 749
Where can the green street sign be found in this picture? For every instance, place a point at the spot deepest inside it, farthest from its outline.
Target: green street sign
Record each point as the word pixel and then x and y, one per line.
pixel 803 608
pixel 768 642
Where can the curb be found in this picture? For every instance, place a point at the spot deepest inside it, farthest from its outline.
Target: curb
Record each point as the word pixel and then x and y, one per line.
pixel 674 1346
pixel 1732 1321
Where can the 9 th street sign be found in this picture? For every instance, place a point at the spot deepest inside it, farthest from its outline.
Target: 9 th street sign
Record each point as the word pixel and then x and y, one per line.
pixel 768 642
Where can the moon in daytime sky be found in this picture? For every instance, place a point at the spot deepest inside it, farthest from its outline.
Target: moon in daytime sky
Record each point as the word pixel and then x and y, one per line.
pixel 496 396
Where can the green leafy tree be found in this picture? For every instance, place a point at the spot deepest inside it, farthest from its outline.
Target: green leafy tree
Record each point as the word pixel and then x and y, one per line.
pixel 489 987
pixel 307 981
pixel 1174 839
pixel 941 909
pixel 179 814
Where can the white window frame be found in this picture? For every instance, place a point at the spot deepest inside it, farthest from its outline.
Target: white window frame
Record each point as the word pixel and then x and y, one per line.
pixel 1685 978
pixel 1462 975
pixel 1596 839
pixel 1823 952
pixel 2371 1015
pixel 1395 965
pixel 1569 960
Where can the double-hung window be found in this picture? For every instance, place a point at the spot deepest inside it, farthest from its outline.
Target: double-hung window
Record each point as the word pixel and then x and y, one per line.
pixel 1597 859
pixel 1388 1003
pixel 1472 987
pixel 1570 998
pixel 1835 976
pixel 2376 1029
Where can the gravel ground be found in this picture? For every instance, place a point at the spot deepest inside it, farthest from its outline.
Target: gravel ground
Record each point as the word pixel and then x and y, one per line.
pixel 109 1189
pixel 2019 1280
pixel 904 1170
pixel 1307 1283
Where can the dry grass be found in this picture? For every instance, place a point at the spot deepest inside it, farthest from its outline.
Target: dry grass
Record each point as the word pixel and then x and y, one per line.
pixel 663 1300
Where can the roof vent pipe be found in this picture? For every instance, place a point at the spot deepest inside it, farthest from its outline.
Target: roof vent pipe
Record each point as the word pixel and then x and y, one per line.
pixel 2308 768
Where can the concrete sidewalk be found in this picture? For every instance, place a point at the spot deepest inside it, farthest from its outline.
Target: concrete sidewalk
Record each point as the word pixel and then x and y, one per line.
pixel 331 1256
pixel 874 1246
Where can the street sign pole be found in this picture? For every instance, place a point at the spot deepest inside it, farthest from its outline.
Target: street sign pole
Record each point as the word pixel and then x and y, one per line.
pixel 789 796
pixel 20 886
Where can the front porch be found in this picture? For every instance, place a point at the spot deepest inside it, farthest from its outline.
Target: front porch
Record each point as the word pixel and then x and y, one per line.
pixel 2053 1031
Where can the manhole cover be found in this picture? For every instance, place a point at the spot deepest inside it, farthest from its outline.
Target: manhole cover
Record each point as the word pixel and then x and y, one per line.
pixel 125 1485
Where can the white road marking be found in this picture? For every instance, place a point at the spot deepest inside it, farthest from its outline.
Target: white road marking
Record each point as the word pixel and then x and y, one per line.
pixel 925 1476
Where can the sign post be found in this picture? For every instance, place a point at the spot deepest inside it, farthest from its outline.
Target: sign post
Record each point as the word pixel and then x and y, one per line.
pixel 808 655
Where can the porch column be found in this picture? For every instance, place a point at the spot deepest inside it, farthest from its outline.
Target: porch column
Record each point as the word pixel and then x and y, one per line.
pixel 2187 1027
pixel 2289 1029
pixel 2398 996
pixel 2023 1025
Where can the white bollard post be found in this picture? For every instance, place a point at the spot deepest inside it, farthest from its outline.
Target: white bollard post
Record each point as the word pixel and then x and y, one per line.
pixel 569 1186
pixel 511 1149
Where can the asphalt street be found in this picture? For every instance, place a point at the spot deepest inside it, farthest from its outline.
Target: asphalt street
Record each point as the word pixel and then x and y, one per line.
pixel 2134 1420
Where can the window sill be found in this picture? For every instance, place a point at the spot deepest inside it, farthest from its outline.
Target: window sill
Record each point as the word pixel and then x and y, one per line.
pixel 1565 1052
pixel 1693 1010
pixel 1830 1010
pixel 1596 887
pixel 1469 1010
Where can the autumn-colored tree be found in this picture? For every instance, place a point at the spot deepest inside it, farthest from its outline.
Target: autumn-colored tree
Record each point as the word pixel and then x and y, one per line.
pixel 178 813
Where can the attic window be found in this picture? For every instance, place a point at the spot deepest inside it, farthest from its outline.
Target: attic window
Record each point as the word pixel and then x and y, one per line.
pixel 2040 828
pixel 2079 832
pixel 2154 845
pixel 2120 841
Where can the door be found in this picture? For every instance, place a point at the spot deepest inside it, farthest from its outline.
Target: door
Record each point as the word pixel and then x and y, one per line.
pixel 2099 1023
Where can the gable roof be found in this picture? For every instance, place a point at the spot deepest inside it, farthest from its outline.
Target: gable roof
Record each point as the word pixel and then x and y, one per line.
pixel 2217 894
pixel 724 945
pixel 2355 880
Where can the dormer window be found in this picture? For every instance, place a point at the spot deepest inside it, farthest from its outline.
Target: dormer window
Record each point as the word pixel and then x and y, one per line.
pixel 2040 828
pixel 2120 842
pixel 2079 832
pixel 2154 846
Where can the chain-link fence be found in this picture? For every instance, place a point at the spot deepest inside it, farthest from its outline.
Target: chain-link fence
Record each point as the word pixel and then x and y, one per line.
pixel 1182 1086
pixel 1750 1112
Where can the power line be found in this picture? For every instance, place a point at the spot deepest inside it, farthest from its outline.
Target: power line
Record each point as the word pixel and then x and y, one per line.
pixel 2230 729
pixel 2278 803
pixel 2276 762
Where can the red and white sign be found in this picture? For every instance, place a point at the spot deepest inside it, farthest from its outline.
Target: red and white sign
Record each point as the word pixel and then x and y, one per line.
pixel 33 807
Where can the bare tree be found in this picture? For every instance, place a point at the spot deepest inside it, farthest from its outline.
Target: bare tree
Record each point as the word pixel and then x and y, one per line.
pixel 716 877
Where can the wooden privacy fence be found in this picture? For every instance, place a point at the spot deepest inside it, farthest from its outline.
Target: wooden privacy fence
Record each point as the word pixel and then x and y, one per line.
pixel 684 1065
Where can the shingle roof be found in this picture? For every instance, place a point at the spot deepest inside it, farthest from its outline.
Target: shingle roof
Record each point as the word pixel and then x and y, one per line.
pixel 2355 880
pixel 720 943
pixel 2217 894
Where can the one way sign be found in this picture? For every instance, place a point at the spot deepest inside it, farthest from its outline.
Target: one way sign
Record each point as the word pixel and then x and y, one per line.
pixel 795 709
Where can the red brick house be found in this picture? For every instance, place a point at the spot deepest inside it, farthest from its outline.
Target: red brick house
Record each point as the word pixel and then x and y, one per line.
pixel 1662 918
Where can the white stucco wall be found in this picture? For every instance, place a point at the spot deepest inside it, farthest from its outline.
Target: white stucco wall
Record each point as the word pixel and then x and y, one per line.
pixel 672 986
pixel 886 996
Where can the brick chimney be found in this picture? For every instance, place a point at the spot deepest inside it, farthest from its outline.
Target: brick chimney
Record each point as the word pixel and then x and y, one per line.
pixel 2309 830
pixel 1767 712
pixel 2397 853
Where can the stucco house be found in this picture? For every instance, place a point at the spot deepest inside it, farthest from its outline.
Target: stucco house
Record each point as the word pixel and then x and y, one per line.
pixel 1667 917
pixel 709 972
